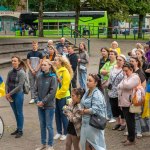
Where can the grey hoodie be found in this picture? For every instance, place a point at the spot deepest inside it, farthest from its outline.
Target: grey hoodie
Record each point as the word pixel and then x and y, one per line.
pixel 45 89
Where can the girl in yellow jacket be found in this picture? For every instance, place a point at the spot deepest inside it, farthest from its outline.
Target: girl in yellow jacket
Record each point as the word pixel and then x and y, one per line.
pixel 64 74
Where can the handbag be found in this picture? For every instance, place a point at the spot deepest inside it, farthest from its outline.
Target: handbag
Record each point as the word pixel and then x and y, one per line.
pixel 97 121
pixel 82 67
pixel 135 109
pixel 26 86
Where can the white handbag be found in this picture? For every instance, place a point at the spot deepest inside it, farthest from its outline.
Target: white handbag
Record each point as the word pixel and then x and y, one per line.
pixel 135 109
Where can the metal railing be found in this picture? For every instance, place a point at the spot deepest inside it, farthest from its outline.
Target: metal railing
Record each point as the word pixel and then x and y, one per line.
pixel 76 37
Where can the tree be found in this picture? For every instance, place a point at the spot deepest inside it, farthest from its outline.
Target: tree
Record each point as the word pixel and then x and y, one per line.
pixel 116 9
pixel 140 7
pixel 40 24
pixel 11 4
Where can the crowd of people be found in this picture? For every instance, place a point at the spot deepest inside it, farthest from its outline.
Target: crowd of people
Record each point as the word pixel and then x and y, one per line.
pixel 119 92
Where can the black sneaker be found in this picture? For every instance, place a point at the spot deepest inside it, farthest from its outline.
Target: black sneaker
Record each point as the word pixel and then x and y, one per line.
pixel 19 134
pixel 14 133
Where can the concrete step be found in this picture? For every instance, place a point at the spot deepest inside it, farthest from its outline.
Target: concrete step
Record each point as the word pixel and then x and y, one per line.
pixel 7 50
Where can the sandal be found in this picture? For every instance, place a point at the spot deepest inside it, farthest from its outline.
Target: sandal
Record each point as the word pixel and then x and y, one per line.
pixel 122 127
pixel 117 126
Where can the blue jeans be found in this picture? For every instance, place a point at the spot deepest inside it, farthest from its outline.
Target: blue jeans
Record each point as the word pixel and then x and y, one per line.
pixel 61 119
pixel 138 128
pixel 109 111
pixel 17 107
pixel 82 78
pixel 46 117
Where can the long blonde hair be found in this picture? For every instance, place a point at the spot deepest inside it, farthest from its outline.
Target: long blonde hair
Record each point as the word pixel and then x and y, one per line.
pixel 65 63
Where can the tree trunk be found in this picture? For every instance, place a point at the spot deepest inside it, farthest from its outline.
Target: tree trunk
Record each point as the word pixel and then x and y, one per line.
pixel 141 17
pixel 40 25
pixel 109 30
pixel 77 11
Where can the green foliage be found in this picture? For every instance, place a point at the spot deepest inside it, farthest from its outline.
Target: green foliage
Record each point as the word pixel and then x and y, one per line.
pixel 10 4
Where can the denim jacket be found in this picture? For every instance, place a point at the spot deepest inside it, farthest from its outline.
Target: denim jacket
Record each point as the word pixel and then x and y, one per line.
pixel 95 102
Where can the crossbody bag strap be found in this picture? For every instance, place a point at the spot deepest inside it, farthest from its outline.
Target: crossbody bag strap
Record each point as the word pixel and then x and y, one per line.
pixel 116 76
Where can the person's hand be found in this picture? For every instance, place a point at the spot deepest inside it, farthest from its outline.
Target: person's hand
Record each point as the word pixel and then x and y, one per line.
pixel 79 60
pixel 104 72
pixel 33 72
pixel 8 97
pixel 40 104
pixel 147 70
pixel 81 112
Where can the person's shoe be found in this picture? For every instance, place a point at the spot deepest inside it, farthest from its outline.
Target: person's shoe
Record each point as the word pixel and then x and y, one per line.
pixel 125 133
pixel 32 101
pixel 63 137
pixel 139 135
pixel 19 134
pixel 50 148
pixel 128 143
pixel 116 127
pixel 112 120
pixel 41 147
pixel 57 136
pixel 122 127
pixel 14 133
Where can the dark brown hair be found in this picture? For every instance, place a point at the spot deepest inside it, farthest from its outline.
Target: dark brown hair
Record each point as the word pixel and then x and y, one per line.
pixel 129 66
pixel 105 48
pixel 78 91
pixel 97 79
pixel 137 60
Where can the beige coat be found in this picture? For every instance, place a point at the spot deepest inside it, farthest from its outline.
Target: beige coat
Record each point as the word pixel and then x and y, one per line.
pixel 125 89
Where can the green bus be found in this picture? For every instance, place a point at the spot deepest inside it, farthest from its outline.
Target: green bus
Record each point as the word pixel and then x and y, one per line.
pixel 54 22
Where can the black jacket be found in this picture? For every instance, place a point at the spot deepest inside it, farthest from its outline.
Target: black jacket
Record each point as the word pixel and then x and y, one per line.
pixel 73 61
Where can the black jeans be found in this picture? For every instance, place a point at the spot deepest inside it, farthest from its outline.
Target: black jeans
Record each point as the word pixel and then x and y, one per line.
pixel 74 80
pixel 130 120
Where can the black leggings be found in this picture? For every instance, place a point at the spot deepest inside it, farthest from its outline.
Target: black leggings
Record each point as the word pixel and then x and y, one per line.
pixel 116 111
pixel 130 120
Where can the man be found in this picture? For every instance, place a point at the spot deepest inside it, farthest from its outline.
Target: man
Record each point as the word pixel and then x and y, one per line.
pixel 46 49
pixel 61 45
pixel 34 61
pixel 73 61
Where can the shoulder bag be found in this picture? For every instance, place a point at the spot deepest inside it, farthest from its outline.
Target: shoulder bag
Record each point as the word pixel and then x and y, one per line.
pixel 97 121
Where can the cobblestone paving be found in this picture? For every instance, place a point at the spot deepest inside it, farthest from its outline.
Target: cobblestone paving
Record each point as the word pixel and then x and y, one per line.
pixel 31 138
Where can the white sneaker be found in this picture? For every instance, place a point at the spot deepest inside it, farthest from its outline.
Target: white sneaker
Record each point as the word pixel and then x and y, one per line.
pixel 50 148
pixel 125 133
pixel 112 120
pixel 57 136
pixel 42 147
pixel 63 137
pixel 139 135
pixel 32 101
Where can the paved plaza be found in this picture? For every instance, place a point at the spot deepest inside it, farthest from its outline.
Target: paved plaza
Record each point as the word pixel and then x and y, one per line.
pixel 31 137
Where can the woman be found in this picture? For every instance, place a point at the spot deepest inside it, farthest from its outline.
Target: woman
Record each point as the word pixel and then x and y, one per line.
pixel 104 58
pixel 45 90
pixel 114 46
pixel 137 69
pixel 137 46
pixel 64 74
pixel 83 60
pixel 141 57
pixel 14 89
pixel 116 76
pixel 130 81
pixel 51 53
pixel 105 72
pixel 137 65
pixel 93 102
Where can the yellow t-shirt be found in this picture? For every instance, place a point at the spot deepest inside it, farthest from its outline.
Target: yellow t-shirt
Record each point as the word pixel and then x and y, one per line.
pixel 118 50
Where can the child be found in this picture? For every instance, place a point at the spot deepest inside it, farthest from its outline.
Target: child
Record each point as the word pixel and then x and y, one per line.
pixel 72 112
